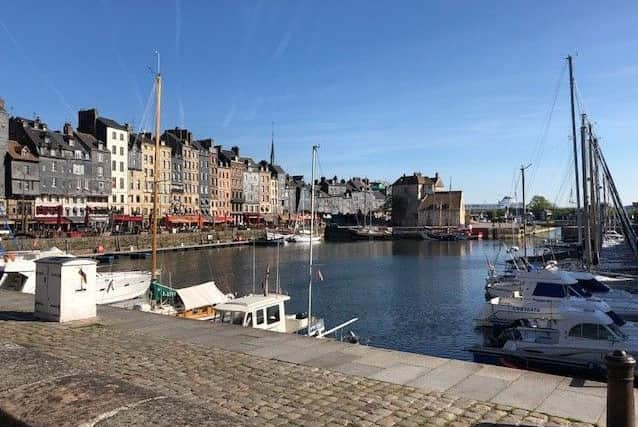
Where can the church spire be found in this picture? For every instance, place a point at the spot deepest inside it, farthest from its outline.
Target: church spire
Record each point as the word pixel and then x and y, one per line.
pixel 272 145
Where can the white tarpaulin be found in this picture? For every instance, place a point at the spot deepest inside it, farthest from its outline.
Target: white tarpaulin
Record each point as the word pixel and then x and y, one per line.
pixel 201 295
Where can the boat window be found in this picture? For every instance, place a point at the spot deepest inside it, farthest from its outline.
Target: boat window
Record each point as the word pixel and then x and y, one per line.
pixel 14 281
pixel 551 290
pixel 260 316
pixel 592 331
pixel 592 285
pixel 272 314
pixel 233 317
pixel 249 320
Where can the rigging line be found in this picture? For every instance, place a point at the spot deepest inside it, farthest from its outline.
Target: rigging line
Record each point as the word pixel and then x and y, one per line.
pixel 145 113
pixel 542 142
pixel 566 175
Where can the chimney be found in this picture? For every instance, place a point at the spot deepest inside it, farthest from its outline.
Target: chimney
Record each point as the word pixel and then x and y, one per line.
pixel 86 121
pixel 1 104
pixel 235 150
pixel 436 176
pixel 68 129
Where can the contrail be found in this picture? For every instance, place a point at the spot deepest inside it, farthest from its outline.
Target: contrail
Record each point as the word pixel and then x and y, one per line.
pixel 36 71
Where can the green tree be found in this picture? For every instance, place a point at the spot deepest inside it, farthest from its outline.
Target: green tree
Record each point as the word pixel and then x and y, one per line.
pixel 538 205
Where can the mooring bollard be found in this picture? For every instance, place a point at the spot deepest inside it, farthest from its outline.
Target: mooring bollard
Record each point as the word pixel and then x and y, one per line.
pixel 620 389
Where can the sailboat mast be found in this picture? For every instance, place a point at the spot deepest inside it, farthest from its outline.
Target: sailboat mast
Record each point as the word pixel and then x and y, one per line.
pixel 586 218
pixel 524 211
pixel 158 109
pixel 312 223
pixel 579 219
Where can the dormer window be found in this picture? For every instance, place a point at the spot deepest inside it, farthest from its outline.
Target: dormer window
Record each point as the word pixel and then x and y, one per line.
pixel 25 151
pixel 53 152
pixel 71 142
pixel 78 154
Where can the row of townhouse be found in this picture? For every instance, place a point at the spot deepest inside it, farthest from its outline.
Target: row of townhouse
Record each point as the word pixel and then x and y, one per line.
pixel 103 172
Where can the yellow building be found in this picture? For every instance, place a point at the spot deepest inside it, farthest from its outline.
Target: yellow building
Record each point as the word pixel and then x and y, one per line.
pixel 148 163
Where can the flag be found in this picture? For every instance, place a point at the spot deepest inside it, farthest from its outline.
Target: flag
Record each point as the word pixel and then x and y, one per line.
pixel 319 275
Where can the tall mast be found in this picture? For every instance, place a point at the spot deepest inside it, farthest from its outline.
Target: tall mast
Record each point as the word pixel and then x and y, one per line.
pixel 158 109
pixel 586 219
pixel 524 210
pixel 593 185
pixel 312 224
pixel 575 147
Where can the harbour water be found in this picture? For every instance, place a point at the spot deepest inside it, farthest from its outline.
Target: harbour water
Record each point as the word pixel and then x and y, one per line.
pixel 417 296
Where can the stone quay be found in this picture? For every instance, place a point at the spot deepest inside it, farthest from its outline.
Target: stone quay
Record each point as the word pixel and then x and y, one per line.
pixel 133 368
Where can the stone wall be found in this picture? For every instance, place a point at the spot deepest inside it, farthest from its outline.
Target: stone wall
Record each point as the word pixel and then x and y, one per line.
pixel 88 245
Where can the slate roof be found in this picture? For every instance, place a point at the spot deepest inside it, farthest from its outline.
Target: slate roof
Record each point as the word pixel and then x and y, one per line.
pixel 414 179
pixel 111 123
pixel 445 199
pixel 15 151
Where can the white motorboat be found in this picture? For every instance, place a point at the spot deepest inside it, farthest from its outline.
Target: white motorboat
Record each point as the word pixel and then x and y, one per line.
pixel 580 339
pixel 19 274
pixel 543 295
pixel 588 285
pixel 304 238
pixel 261 312
pixel 612 238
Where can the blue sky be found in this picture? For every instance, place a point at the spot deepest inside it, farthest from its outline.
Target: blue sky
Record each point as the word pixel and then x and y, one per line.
pixel 385 87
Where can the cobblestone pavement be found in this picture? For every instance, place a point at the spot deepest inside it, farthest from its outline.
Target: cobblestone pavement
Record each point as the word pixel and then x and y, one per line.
pixel 168 382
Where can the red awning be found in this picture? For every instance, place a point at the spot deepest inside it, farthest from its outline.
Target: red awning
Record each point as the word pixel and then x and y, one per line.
pixel 52 220
pixel 184 219
pixel 128 218
pixel 220 219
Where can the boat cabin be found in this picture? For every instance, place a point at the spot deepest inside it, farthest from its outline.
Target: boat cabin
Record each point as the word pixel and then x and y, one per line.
pixel 261 312
pixel 193 302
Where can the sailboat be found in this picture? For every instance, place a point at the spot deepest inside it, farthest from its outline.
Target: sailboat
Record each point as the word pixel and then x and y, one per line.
pixel 268 311
pixel 196 301
pixel 303 235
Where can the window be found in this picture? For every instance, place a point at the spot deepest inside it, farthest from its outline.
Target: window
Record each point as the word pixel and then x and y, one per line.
pixel 78 169
pixel 114 183
pixel 272 314
pixel 122 185
pixel 114 165
pixel 114 135
pixel 53 182
pixel 121 151
pixel 122 136
pixel 591 331
pixel 249 320
pixel 78 154
pixel 550 290
pixel 100 171
pixel 121 166
pixel 52 166
pixel 100 185
pixel 100 157
pixel 114 197
pixel 114 149
pixel 121 198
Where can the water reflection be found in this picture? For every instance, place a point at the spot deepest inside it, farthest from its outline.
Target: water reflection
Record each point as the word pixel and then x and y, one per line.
pixel 418 296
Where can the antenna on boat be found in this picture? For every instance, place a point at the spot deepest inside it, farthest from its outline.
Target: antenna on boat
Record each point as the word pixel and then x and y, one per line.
pixel 277 271
pixel 253 266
